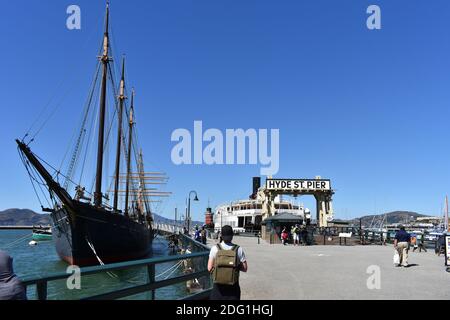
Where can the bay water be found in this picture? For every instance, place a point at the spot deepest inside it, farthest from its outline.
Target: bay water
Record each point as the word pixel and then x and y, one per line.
pixel 42 260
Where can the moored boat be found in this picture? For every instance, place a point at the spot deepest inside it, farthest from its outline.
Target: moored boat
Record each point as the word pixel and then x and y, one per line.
pixel 42 234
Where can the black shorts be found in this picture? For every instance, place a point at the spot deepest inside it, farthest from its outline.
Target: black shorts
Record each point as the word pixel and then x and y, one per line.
pixel 225 292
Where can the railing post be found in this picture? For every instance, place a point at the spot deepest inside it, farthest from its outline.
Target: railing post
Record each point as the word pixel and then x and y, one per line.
pixel 151 277
pixel 41 288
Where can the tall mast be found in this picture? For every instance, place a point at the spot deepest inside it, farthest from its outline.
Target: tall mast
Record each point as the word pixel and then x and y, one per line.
pixel 142 190
pixel 119 135
pixel 101 130
pixel 130 139
pixel 446 214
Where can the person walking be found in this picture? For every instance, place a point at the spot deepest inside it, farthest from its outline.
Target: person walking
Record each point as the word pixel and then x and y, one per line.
pixel 203 235
pixel 226 261
pixel 197 236
pixel 414 242
pixel 440 245
pixel 11 288
pixel 284 236
pixel 401 244
pixel 292 233
pixel 304 235
pixel 421 243
pixel 296 234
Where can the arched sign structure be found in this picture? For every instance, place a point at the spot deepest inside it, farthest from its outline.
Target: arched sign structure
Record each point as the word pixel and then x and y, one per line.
pixel 319 188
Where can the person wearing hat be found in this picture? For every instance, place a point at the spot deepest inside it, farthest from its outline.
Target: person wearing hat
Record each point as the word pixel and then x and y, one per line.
pixel 225 291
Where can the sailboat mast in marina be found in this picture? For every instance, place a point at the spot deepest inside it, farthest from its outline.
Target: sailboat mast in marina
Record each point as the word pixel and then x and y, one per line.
pixel 446 215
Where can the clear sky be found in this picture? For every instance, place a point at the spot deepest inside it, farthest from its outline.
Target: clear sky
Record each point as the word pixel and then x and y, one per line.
pixel 367 109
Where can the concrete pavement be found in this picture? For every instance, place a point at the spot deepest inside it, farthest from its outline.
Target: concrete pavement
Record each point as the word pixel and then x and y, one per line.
pixel 338 272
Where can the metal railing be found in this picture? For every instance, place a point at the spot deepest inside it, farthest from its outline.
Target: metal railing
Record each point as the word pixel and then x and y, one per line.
pixel 198 261
pixel 168 228
pixel 365 237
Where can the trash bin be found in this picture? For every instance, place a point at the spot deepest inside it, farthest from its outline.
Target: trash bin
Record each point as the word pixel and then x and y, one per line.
pixel 309 236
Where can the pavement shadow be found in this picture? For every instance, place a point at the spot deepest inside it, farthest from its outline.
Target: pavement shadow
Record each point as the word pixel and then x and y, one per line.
pixel 412 265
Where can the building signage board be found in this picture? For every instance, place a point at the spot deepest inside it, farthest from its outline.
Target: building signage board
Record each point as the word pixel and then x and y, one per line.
pixel 298 184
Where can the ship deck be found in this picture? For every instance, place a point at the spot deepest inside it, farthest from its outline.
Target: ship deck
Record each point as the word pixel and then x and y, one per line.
pixel 338 272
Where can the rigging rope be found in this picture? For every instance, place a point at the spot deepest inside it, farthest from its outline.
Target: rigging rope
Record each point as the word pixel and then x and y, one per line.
pixel 90 142
pixel 68 75
pixel 82 131
pixel 25 163
pixel 100 260
pixel 16 242
pixel 112 275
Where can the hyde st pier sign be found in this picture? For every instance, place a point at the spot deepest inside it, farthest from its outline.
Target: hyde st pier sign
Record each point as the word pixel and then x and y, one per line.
pixel 298 185
pixel 318 187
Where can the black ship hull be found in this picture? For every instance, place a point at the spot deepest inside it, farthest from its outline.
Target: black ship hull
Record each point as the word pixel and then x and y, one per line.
pixel 90 236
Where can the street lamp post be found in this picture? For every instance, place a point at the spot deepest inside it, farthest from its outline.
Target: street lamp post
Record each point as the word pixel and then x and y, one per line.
pixel 221 214
pixel 189 209
pixel 176 213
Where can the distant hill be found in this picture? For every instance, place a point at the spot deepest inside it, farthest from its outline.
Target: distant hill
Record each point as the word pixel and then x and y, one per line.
pixel 26 217
pixel 391 217
pixel 23 217
pixel 160 219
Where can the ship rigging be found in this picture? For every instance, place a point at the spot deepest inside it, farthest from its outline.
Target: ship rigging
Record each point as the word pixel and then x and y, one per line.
pixel 87 226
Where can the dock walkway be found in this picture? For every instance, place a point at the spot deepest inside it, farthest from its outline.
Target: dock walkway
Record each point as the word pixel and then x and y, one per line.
pixel 337 272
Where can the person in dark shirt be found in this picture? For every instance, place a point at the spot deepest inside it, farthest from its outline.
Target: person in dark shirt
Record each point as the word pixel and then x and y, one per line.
pixel 401 244
pixel 11 288
pixel 203 235
pixel 420 243
pixel 440 245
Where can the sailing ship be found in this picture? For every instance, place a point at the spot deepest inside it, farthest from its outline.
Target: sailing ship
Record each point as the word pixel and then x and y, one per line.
pixel 87 230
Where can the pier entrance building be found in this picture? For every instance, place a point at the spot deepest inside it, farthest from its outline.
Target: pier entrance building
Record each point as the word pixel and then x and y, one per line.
pixel 318 187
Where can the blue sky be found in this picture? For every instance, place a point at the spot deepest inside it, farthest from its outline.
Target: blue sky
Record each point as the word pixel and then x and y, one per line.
pixel 367 109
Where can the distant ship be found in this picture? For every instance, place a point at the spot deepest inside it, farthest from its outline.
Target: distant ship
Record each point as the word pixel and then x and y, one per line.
pixel 87 230
pixel 246 215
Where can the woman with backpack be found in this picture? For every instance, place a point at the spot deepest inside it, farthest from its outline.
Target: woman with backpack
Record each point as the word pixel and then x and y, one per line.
pixel 226 261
